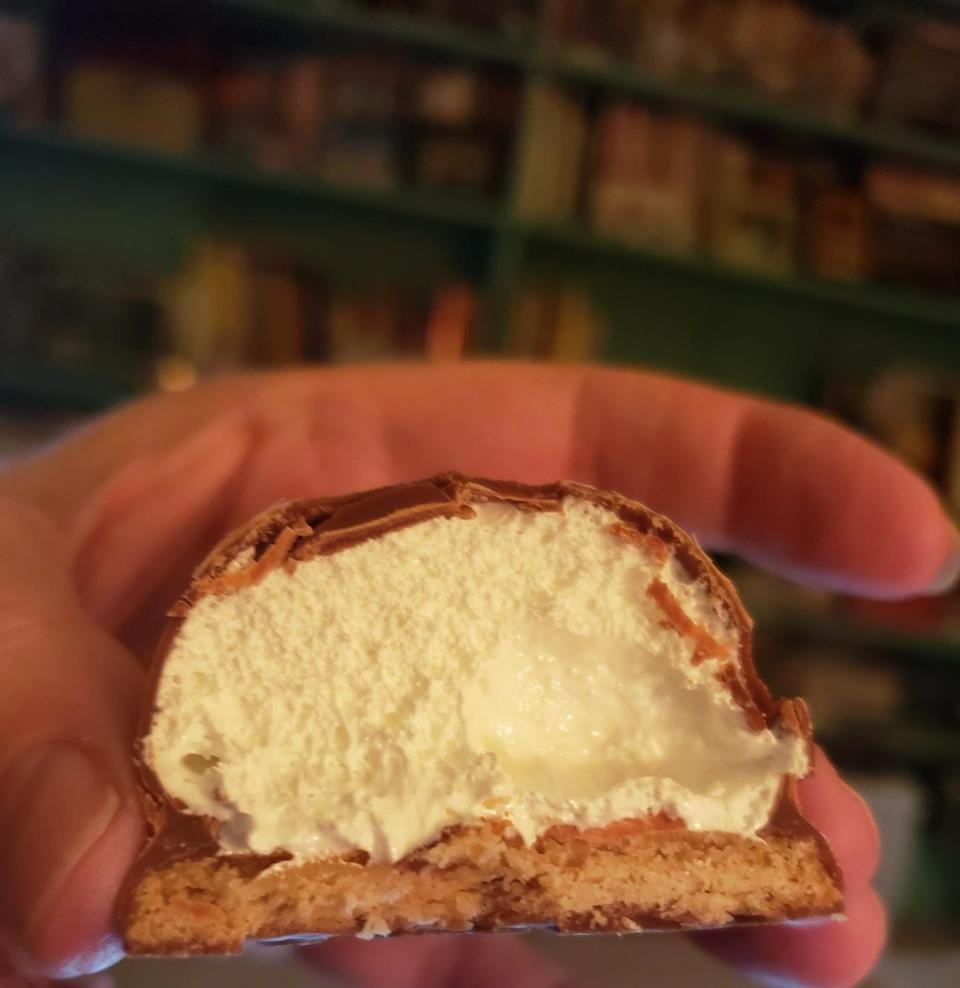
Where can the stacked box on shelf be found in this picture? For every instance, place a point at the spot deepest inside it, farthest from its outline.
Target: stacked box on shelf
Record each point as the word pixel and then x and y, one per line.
pixel 555 322
pixel 141 91
pixel 241 112
pixel 460 128
pixel 919 79
pixel 361 96
pixel 784 50
pixel 917 221
pixel 646 180
pixel 671 183
pixel 778 47
pixel 751 207
pixel 835 224
pixel 327 115
pixel 235 306
pixel 368 120
pixel 129 105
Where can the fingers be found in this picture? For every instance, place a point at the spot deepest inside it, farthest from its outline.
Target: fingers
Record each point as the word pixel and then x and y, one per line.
pixel 448 961
pixel 817 503
pixel 841 815
pixel 830 954
pixel 312 441
pixel 141 534
pixel 69 823
pixel 782 486
pixel 154 513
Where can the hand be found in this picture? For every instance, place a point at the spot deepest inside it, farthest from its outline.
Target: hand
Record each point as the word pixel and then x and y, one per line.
pixel 99 533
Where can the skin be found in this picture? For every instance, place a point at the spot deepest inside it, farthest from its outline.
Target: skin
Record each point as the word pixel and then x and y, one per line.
pixel 98 535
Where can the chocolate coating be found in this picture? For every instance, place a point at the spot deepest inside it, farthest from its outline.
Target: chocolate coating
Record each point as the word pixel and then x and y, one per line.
pixel 293 532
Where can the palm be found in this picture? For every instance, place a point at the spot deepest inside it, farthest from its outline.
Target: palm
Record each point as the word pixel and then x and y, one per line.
pixel 143 495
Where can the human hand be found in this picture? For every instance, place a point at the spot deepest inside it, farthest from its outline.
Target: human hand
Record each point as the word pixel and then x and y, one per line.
pixel 98 535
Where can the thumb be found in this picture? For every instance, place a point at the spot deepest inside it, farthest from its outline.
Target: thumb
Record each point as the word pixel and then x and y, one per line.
pixel 69 822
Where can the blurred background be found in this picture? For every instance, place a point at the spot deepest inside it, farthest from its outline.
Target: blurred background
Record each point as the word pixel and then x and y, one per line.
pixel 762 193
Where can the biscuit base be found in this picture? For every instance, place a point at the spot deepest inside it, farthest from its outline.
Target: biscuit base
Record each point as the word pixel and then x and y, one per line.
pixel 482 877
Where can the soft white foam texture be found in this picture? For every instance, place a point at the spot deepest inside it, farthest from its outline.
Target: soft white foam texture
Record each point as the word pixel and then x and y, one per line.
pixel 510 665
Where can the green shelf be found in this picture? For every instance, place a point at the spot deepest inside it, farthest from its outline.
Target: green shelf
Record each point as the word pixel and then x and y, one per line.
pixel 470 215
pixel 929 309
pixel 841 631
pixel 416 32
pixel 209 170
pixel 730 104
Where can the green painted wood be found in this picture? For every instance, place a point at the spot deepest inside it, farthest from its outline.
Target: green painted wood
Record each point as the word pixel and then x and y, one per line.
pixel 506 260
pixel 745 332
pixel 62 198
pixel 146 208
pixel 729 104
pixel 327 16
pixel 924 308
pixel 439 208
pixel 503 275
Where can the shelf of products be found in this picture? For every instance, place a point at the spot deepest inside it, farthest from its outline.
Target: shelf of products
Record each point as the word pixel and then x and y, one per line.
pixel 209 170
pixel 571 145
pixel 720 101
pixel 437 208
pixel 866 297
pixel 81 337
pixel 729 104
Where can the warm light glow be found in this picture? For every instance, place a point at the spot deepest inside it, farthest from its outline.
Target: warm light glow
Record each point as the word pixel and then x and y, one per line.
pixel 175 374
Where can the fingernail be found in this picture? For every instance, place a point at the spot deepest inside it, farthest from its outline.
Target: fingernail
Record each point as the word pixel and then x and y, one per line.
pixel 949 573
pixel 55 802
